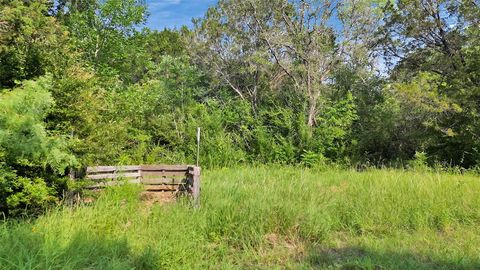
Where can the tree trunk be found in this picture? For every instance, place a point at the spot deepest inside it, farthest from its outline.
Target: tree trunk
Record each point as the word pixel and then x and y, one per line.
pixel 312 99
pixel 312 111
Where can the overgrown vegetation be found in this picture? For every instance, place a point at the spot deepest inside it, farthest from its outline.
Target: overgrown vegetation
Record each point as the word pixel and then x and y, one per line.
pixel 265 218
pixel 30 158
pixel 356 83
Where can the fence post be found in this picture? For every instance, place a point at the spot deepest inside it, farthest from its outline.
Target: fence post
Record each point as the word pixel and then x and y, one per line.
pixel 196 186
pixel 71 174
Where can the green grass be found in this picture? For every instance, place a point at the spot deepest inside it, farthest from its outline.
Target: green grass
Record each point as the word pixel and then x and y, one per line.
pixel 265 218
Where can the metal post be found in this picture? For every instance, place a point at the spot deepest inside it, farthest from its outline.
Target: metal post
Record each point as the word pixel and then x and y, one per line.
pixel 198 145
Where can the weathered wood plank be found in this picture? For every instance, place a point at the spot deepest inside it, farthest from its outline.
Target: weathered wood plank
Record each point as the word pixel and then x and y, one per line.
pixel 147 182
pixel 164 173
pixel 164 167
pixel 99 169
pixel 161 187
pixel 112 175
pixel 113 183
pixel 160 181
pixel 196 186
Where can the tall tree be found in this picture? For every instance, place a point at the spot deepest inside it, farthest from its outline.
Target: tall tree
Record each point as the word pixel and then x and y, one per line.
pixel 31 40
pixel 252 45
pixel 102 29
pixel 438 39
pixel 227 43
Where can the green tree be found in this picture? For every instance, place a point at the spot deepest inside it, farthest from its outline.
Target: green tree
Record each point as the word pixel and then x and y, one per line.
pixel 103 30
pixel 31 41
pixel 438 38
pixel 253 47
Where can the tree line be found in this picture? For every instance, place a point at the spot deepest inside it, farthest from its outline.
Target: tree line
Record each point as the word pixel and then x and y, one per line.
pixel 299 82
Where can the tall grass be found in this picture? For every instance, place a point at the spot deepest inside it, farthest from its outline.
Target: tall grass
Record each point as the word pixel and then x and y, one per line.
pixel 264 218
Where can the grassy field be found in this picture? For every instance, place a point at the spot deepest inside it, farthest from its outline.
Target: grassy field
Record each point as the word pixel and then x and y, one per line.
pixel 265 218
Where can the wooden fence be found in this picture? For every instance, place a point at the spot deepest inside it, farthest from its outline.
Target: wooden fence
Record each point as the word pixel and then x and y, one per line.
pixel 167 178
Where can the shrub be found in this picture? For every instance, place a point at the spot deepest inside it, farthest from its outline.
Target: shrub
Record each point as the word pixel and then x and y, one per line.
pixel 31 160
pixel 419 162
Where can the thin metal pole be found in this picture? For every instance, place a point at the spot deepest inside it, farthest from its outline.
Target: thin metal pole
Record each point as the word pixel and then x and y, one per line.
pixel 198 145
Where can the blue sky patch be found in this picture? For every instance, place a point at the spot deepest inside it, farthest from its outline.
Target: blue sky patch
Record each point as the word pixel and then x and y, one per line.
pixel 175 13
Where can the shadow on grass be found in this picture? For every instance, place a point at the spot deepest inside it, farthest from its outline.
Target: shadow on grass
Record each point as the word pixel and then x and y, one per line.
pixel 22 248
pixel 353 258
pixel 29 250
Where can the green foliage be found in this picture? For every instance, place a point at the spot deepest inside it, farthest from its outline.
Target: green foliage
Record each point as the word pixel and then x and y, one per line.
pixel 30 41
pixel 334 126
pixel 25 195
pixel 313 160
pixel 266 84
pixel 104 30
pixel 30 158
pixel 438 71
pixel 165 42
pixel 23 137
pixel 420 162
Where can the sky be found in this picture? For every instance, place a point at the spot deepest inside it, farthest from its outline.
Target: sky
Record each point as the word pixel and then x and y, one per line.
pixel 175 13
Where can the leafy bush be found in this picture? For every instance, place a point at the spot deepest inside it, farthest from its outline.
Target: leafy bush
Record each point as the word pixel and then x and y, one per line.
pixel 32 161
pixel 313 160
pixel 420 162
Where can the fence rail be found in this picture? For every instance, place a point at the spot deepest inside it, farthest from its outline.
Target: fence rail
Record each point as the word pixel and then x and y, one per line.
pixel 166 178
